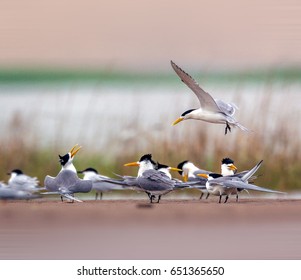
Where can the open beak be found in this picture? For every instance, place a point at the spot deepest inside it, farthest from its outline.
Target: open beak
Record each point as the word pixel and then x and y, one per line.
pixel 203 175
pixel 132 164
pixel 178 120
pixel 74 150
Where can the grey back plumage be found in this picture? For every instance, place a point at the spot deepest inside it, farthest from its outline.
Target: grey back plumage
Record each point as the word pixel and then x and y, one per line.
pixel 68 181
pixel 154 180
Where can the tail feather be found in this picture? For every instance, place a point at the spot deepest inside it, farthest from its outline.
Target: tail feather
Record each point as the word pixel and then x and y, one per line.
pixel 251 172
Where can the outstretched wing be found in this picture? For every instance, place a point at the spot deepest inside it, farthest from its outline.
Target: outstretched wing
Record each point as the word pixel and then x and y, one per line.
pixel 206 100
pixel 81 186
pixel 242 185
pixel 67 180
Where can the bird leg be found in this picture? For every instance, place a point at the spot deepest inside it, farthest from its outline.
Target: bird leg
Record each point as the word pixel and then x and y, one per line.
pixel 96 195
pixel 207 195
pixel 226 199
pixel 220 198
pixel 237 197
pixel 62 198
pixel 151 197
pixel 159 197
pixel 201 195
pixel 101 194
pixel 227 128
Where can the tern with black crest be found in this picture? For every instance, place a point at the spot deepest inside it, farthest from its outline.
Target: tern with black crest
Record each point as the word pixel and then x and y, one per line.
pixel 66 183
pixel 210 110
pixel 20 181
pixel 99 185
pixel 229 185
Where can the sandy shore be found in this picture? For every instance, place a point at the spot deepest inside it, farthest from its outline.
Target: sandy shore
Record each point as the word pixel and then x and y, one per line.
pixel 181 229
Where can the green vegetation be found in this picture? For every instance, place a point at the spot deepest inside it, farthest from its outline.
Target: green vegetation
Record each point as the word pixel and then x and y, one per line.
pixel 280 148
pixel 43 75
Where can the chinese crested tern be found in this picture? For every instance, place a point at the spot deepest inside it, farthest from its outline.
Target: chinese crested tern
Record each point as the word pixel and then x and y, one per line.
pixel 98 184
pixel 20 181
pixel 153 178
pixel 66 183
pixel 229 185
pixel 229 169
pixel 210 110
pixel 190 172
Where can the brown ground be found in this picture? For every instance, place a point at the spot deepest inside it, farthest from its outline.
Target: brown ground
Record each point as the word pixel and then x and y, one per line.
pixel 181 229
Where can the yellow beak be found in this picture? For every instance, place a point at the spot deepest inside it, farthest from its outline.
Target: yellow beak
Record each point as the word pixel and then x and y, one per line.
pixel 132 164
pixel 174 169
pixel 232 167
pixel 178 120
pixel 185 178
pixel 74 150
pixel 203 175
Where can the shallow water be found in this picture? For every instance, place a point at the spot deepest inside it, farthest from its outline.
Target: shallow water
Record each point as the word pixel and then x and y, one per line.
pixel 106 117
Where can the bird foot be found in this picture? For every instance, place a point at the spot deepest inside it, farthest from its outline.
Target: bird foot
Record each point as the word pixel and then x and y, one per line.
pixel 227 128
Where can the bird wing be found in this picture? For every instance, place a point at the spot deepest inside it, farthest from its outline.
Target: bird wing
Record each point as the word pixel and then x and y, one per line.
pixel 246 186
pixel 181 185
pixel 50 183
pixel 206 100
pixel 24 181
pixel 154 180
pixel 127 181
pixel 106 186
pixel 69 180
pixel 251 172
pixel 99 177
pixel 227 108
pixel 81 186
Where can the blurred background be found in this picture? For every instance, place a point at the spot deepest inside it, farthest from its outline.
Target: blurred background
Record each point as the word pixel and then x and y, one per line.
pixel 98 73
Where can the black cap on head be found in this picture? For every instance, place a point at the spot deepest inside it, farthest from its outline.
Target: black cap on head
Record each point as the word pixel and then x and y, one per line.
pixel 147 157
pixel 17 171
pixel 64 159
pixel 227 161
pixel 187 112
pixel 159 165
pixel 88 169
pixel 180 166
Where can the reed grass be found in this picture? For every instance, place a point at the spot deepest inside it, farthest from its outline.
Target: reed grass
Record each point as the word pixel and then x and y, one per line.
pixel 277 142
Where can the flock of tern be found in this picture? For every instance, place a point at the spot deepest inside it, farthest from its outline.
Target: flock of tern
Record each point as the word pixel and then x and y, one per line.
pixel 153 178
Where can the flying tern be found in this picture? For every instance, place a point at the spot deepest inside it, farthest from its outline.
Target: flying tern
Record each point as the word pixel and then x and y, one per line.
pixel 66 183
pixel 228 185
pixel 211 110
pixel 99 185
